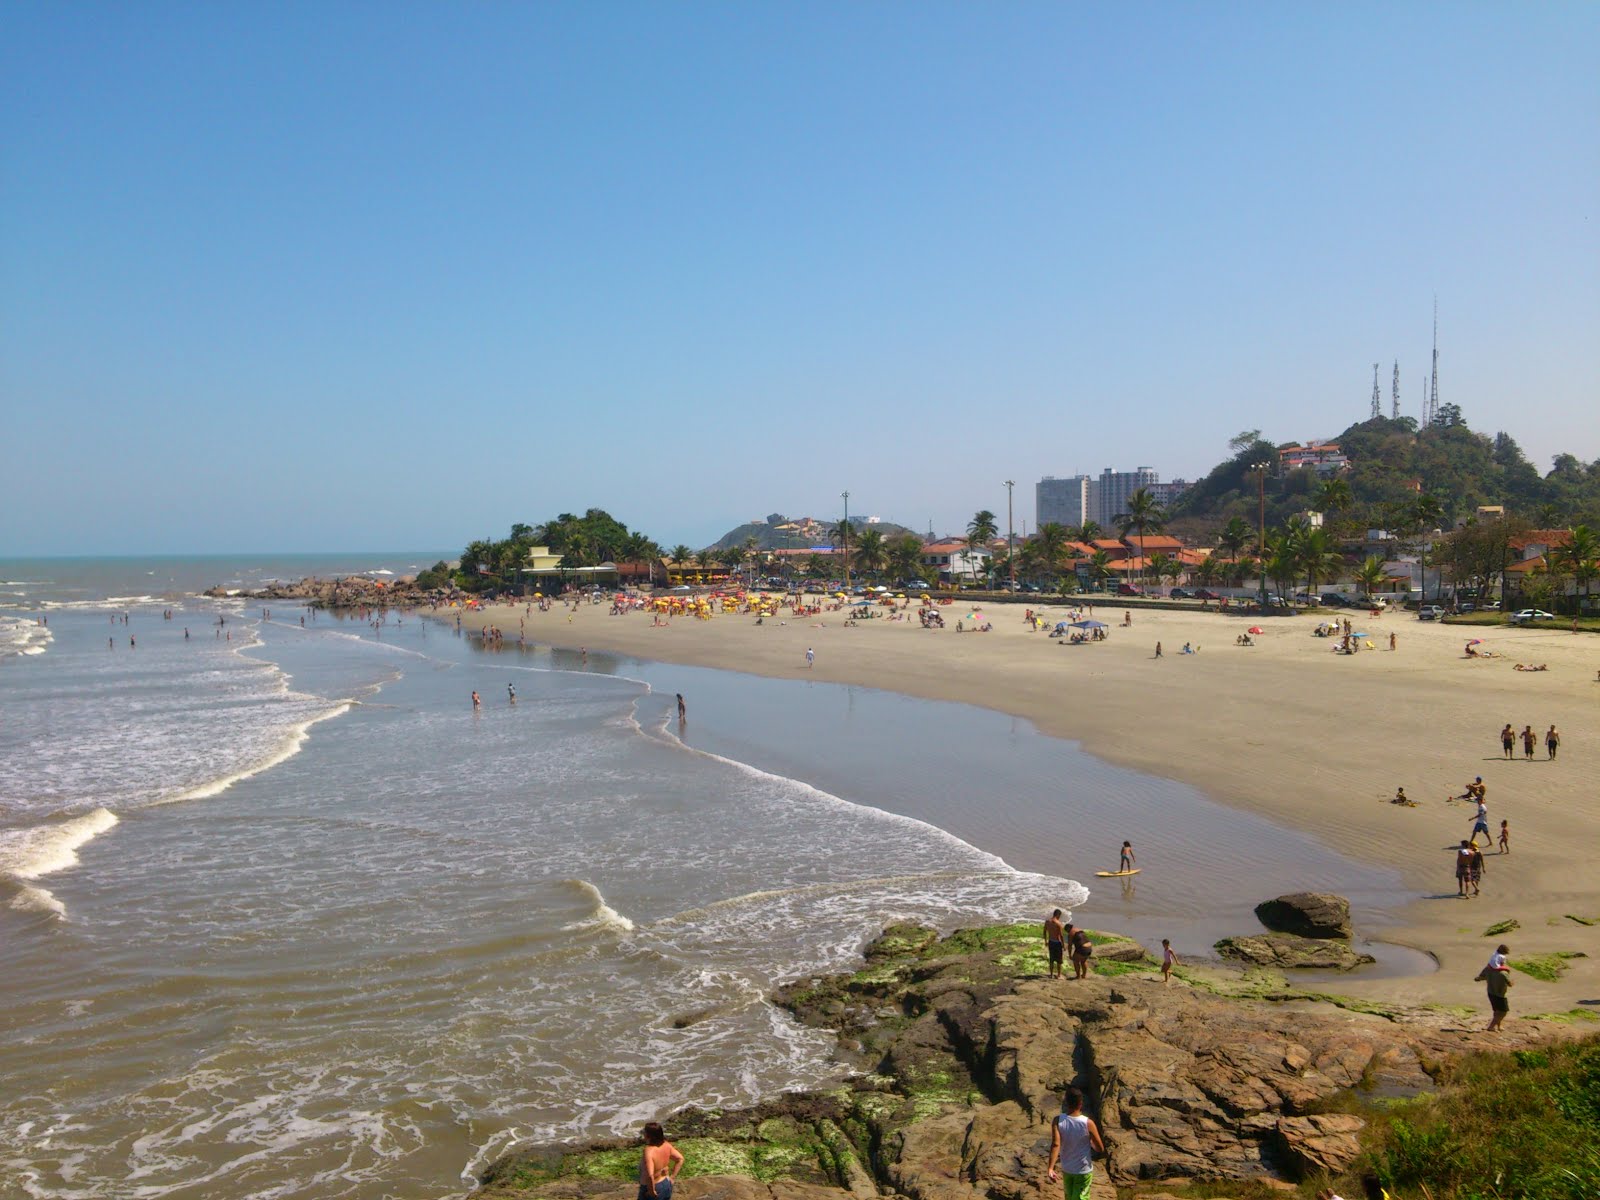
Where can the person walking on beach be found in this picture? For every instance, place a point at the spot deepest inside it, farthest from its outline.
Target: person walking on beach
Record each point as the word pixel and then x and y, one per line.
pixel 811 657
pixel 1055 941
pixel 1529 740
pixel 1125 861
pixel 1074 1138
pixel 1169 959
pixel 658 1165
pixel 1497 975
pixel 1508 740
pixel 1480 822
pixel 1552 741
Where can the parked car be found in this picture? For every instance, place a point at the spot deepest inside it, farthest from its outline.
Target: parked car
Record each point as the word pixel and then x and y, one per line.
pixel 1177 594
pixel 1129 589
pixel 1429 612
pixel 1531 614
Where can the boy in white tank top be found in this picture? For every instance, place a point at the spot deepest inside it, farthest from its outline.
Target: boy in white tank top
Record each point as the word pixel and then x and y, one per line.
pixel 1074 1138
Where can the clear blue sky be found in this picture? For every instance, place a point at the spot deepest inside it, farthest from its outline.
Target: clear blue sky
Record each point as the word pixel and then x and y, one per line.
pixel 313 276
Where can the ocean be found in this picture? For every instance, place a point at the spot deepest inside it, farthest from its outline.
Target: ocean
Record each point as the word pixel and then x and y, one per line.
pixel 283 915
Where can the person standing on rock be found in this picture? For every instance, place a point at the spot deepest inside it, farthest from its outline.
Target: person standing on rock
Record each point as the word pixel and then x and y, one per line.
pixel 1055 941
pixel 1073 1140
pixel 659 1165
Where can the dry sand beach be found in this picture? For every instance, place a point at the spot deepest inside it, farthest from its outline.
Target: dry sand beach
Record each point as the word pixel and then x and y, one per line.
pixel 1287 729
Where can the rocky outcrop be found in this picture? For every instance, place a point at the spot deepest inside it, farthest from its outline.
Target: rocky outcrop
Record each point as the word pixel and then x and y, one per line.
pixel 961 1048
pixel 1307 914
pixel 1287 952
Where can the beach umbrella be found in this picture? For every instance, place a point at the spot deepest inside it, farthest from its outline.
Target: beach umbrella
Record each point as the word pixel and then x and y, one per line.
pixel 1254 629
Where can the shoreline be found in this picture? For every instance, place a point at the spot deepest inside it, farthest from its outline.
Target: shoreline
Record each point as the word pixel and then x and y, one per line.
pixel 1235 723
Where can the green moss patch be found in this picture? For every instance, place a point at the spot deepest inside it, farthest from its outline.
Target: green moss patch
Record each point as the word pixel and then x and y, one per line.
pixel 1546 967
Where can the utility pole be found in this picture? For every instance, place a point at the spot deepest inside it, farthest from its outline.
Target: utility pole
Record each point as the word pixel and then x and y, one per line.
pixel 845 531
pixel 1011 543
pixel 1261 543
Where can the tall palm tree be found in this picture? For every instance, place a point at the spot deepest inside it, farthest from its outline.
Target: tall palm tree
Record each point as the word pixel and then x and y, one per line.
pixel 1235 536
pixel 1144 513
pixel 1052 541
pixel 869 555
pixel 1318 558
pixel 905 556
pixel 1100 566
pixel 1580 558
pixel 981 531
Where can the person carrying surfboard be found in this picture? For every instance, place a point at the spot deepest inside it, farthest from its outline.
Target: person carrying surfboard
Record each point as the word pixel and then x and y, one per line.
pixel 1126 862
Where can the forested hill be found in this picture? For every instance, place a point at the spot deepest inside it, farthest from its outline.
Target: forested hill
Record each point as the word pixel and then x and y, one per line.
pixel 1390 460
pixel 768 536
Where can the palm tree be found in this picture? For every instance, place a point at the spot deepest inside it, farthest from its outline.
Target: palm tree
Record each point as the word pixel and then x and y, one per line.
pixel 1052 540
pixel 1318 558
pixel 869 555
pixel 1164 567
pixel 1100 566
pixel 905 556
pixel 981 531
pixel 1144 513
pixel 1235 536
pixel 1370 575
pixel 1580 558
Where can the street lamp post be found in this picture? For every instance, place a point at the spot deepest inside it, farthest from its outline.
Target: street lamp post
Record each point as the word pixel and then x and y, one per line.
pixel 844 530
pixel 1261 541
pixel 1011 548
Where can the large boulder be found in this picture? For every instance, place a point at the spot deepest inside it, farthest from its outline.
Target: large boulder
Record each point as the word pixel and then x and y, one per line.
pixel 1307 914
pixel 1321 1144
pixel 1287 952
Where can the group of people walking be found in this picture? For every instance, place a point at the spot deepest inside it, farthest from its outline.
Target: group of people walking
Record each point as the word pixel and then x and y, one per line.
pixel 1530 741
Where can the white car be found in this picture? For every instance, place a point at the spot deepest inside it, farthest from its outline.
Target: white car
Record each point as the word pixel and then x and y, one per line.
pixel 1531 614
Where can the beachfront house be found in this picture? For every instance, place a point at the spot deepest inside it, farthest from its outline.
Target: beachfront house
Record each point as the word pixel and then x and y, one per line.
pixel 954 560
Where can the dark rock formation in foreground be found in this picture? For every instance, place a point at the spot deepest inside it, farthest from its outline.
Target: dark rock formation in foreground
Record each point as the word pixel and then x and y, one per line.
pixel 961 1049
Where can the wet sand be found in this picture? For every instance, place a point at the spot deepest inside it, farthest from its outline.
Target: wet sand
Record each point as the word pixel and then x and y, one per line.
pixel 1287 729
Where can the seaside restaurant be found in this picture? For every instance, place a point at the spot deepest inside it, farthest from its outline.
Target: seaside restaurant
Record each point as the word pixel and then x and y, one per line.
pixel 543 572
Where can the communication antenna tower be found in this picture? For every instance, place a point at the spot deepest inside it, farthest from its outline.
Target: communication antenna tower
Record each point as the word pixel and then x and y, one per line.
pixel 1433 384
pixel 1394 407
pixel 1377 396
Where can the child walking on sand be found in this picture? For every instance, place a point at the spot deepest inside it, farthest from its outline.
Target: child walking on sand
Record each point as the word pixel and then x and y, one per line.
pixel 1169 959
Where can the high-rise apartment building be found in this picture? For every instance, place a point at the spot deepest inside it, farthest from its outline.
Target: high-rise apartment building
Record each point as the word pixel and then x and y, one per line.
pixel 1063 501
pixel 1113 489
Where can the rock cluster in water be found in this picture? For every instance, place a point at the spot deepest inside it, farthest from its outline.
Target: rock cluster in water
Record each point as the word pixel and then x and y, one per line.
pixel 961 1048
